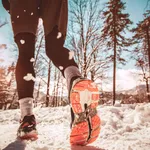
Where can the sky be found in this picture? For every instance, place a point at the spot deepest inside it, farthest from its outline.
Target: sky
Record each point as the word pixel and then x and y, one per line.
pixel 135 8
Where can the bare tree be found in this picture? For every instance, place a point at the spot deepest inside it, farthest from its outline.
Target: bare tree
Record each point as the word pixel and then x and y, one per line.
pixel 3 23
pixel 143 66
pixel 84 35
pixel 42 64
pixel 147 5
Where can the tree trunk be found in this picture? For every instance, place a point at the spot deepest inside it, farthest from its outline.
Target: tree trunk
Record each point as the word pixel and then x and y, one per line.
pixel 57 88
pixel 38 93
pixel 92 75
pixel 62 90
pixel 114 75
pixel 13 99
pixel 48 84
pixel 84 67
pixel 114 58
pixel 147 89
pixel 148 42
pixel 54 90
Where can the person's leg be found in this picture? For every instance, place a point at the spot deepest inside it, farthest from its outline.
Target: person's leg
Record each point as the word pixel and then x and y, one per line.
pixel 61 56
pixel 26 44
pixel 55 17
pixel 24 19
pixel 24 67
pixel 83 94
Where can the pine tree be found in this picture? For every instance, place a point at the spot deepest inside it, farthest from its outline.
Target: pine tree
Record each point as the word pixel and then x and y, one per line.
pixel 142 49
pixel 142 36
pixel 116 23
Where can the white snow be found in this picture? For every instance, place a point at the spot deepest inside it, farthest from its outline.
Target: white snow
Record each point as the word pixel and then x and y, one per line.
pixel 61 67
pixel 24 10
pixel 22 41
pixel 31 13
pixel 8 77
pixel 32 60
pixel 29 77
pixel 17 16
pixel 59 35
pixel 71 55
pixel 122 128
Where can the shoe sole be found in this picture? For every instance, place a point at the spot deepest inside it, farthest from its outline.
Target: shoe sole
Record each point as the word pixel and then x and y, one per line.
pixel 33 136
pixel 84 99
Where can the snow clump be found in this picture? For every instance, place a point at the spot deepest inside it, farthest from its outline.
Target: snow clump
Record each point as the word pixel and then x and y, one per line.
pixel 29 77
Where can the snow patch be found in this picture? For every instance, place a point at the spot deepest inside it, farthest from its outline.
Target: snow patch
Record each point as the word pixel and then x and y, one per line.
pixel 59 35
pixel 22 41
pixel 32 60
pixel 61 67
pixel 71 55
pixel 29 77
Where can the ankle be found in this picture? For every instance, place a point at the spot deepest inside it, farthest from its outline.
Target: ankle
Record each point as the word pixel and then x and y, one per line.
pixel 71 73
pixel 26 107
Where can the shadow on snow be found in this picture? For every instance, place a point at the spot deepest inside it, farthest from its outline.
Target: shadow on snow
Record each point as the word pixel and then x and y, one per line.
pixel 16 145
pixel 85 148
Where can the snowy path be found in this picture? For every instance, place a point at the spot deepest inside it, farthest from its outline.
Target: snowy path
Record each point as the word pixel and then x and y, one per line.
pixel 125 127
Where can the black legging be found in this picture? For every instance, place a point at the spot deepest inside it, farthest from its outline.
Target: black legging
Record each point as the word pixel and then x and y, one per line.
pixel 54 50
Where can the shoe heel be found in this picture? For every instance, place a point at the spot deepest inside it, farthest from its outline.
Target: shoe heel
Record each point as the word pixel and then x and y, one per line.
pixel 79 134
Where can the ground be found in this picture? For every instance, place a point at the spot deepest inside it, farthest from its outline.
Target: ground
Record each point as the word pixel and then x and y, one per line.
pixel 123 127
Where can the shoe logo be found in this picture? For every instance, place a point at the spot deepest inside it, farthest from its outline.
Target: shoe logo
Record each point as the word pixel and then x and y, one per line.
pixel 30 126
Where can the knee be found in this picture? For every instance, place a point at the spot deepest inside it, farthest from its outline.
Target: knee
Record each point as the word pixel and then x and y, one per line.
pixel 26 45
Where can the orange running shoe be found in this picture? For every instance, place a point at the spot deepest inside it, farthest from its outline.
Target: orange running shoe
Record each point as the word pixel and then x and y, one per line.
pixel 85 126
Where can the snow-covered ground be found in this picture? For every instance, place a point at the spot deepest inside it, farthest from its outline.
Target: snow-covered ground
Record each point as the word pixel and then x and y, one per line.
pixel 125 127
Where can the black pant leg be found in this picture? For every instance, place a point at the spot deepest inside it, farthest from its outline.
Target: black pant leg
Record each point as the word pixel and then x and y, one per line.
pixel 26 46
pixel 57 52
